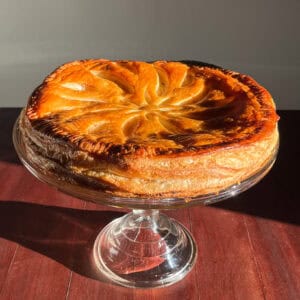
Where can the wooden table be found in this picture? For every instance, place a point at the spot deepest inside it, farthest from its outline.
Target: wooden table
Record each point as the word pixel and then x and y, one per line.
pixel 249 246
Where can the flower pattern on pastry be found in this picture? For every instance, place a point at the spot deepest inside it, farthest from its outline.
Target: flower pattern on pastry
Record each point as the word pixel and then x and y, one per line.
pixel 165 106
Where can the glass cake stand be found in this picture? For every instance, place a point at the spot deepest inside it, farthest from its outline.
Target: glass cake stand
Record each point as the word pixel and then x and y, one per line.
pixel 144 248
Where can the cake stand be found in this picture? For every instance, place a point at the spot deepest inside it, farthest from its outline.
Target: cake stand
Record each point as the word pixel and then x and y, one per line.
pixel 144 248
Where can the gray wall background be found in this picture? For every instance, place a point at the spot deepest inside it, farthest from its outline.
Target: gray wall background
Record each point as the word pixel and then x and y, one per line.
pixel 259 37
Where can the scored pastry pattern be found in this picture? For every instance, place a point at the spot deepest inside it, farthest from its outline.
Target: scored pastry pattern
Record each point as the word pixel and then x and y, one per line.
pixel 161 104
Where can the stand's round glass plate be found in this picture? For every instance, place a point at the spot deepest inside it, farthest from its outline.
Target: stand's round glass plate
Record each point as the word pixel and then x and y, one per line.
pixel 143 248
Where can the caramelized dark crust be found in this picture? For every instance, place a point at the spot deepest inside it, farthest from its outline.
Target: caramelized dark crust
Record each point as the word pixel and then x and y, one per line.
pixel 131 123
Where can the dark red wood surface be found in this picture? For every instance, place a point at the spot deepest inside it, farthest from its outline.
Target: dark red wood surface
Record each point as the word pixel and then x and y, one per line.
pixel 249 246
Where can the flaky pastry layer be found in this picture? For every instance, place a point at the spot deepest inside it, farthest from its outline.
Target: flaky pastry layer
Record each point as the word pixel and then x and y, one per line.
pixel 165 129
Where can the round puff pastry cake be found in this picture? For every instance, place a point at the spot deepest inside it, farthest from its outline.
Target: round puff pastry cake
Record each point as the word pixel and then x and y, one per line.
pixel 160 129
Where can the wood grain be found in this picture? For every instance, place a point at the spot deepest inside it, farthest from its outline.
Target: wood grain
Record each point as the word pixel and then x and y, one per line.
pixel 276 248
pixel 249 246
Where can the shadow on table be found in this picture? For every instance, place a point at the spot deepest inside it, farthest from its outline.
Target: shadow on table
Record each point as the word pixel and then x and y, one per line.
pixel 63 234
pixel 269 199
pixel 67 236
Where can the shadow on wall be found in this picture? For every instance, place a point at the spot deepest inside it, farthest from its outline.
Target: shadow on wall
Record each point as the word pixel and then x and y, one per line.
pixel 8 117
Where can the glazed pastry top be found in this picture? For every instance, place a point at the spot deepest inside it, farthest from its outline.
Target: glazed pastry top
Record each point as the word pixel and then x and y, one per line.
pixel 159 108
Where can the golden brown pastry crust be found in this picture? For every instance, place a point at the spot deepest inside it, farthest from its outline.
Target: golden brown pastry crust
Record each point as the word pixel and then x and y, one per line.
pixel 151 129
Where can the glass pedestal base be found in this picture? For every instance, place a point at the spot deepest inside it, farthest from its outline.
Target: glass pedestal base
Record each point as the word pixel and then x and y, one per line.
pixel 144 249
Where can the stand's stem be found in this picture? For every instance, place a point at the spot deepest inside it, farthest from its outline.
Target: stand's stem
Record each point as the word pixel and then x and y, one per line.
pixel 144 249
